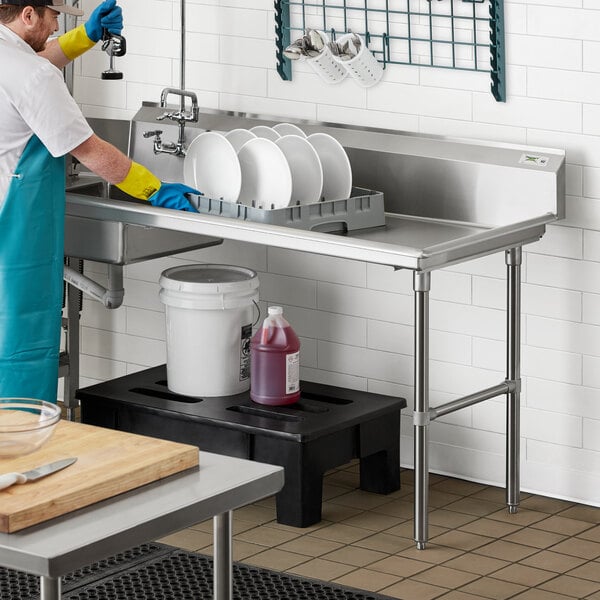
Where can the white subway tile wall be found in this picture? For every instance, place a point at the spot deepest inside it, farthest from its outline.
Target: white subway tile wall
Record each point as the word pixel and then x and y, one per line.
pixel 355 320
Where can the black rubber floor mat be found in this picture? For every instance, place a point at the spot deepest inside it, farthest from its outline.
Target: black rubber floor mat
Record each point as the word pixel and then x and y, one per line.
pixel 16 585
pixel 160 572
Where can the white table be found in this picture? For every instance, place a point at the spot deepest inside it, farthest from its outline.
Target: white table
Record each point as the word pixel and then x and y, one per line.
pixel 64 544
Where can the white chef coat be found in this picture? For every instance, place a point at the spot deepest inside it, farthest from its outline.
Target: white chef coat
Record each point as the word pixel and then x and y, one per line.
pixel 34 100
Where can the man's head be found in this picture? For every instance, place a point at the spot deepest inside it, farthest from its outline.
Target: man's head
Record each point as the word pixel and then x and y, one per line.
pixel 34 20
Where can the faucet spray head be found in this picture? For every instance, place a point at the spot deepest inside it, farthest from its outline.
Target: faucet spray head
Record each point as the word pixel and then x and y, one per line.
pixel 113 45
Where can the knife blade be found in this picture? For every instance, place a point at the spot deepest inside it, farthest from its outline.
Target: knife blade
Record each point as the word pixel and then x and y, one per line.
pixel 9 479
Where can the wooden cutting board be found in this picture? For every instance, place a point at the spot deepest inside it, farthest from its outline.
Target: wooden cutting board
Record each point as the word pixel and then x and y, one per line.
pixel 108 463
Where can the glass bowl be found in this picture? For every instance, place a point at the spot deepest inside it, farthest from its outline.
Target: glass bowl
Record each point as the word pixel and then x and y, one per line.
pixel 25 425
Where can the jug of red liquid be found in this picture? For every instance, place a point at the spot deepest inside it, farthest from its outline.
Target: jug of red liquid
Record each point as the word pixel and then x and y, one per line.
pixel 275 361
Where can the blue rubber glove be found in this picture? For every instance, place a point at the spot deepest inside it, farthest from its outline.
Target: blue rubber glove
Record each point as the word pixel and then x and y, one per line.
pixel 106 16
pixel 172 195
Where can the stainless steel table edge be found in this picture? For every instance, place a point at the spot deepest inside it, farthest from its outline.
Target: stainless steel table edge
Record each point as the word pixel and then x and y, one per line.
pixel 74 540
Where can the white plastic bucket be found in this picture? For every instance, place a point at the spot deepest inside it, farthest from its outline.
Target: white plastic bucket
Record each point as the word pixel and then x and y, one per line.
pixel 209 315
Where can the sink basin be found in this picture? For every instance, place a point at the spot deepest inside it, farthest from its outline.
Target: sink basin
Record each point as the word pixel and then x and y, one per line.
pixel 120 243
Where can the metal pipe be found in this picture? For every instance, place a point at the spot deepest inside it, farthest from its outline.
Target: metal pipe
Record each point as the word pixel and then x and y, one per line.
pixel 497 390
pixel 421 286
pixel 513 260
pixel 222 556
pixel 50 588
pixel 182 56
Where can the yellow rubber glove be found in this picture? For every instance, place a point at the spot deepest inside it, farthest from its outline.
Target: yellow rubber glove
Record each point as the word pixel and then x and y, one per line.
pixel 75 42
pixel 139 183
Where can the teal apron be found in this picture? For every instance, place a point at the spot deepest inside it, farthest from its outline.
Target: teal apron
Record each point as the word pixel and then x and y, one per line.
pixel 31 272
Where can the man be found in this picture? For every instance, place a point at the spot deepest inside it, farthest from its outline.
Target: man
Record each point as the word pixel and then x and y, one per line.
pixel 40 123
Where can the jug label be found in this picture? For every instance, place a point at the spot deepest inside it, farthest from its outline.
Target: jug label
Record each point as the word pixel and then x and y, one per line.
pixel 292 373
pixel 246 337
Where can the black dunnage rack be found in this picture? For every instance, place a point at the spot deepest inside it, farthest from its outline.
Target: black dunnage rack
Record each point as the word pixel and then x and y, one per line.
pixel 450 34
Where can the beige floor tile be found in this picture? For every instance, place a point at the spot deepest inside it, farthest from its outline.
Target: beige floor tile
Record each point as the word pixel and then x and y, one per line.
pixel 384 542
pixel 400 566
pixel 276 559
pixel 433 554
pixel 267 536
pixel 571 586
pixel 188 539
pixel 592 534
pixel 449 519
pixel 583 513
pixel 361 500
pixel 458 486
pixel 357 557
pixel 475 563
pixel 254 514
pixel 506 551
pixel 439 498
pixel 373 521
pixel 303 530
pixel 553 561
pixel 578 547
pixel 474 506
pixel 524 575
pixel 396 508
pixel 492 494
pixel 589 571
pixel 535 538
pixel 490 528
pixel 325 570
pixel 456 595
pixel 536 594
pixel 461 540
pixel 562 525
pixel 338 532
pixel 337 512
pixel 445 577
pixel 408 589
pixel 341 479
pixel 310 546
pixel 493 588
pixel 365 579
pixel 523 517
pixel 595 596
pixel 545 505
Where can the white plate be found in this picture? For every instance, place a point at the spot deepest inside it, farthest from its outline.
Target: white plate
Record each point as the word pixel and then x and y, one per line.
pixel 305 166
pixel 238 137
pixel 266 176
pixel 337 173
pixel 288 129
pixel 211 166
pixel 262 131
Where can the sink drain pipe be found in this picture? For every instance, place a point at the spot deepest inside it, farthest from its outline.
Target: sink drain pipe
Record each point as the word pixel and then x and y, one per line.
pixel 111 297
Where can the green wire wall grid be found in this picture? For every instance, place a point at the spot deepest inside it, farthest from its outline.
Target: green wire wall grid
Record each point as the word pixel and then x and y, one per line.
pixel 466 35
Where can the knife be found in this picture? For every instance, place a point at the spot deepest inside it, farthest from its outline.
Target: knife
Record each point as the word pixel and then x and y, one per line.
pixel 9 479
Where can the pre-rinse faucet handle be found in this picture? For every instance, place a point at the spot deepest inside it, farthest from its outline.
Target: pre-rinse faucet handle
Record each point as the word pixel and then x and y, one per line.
pixel 155 133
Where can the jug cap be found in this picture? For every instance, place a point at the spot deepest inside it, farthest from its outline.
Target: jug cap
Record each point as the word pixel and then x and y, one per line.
pixel 275 310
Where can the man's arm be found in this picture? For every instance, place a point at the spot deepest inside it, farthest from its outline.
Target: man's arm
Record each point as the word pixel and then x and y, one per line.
pixel 54 53
pixel 103 159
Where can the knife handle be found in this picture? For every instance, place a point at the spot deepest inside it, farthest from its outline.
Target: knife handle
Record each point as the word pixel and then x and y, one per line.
pixel 9 479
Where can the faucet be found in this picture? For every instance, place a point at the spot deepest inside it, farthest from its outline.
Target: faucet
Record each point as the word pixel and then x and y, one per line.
pixel 180 116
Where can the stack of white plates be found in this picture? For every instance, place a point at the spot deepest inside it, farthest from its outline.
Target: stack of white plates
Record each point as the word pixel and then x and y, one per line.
pixel 268 167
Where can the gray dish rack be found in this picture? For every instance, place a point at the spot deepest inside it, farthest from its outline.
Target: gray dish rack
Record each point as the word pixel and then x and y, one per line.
pixel 364 209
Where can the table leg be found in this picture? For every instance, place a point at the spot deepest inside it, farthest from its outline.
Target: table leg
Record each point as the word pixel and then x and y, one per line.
pixel 421 286
pixel 513 373
pixel 223 556
pixel 49 588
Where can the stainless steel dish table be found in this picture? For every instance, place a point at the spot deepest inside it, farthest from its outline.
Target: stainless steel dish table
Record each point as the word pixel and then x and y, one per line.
pixel 447 201
pixel 221 485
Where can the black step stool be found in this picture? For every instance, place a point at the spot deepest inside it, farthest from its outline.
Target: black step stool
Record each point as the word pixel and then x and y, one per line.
pixel 327 428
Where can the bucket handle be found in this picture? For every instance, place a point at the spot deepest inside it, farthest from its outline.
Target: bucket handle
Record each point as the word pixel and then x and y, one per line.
pixel 258 311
